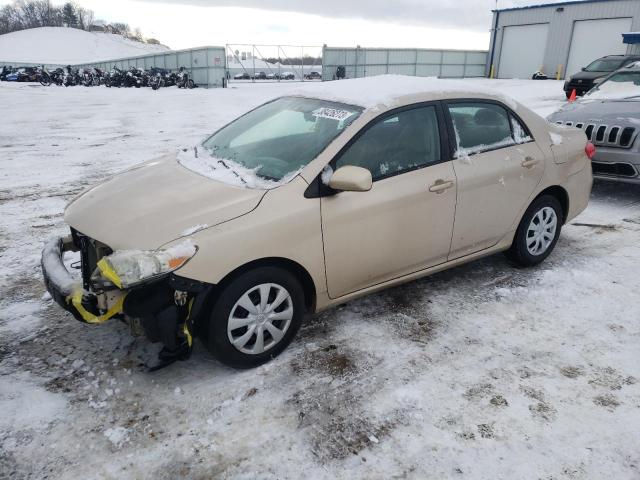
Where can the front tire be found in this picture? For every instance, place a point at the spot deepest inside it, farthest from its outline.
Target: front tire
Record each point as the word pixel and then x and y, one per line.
pixel 255 317
pixel 538 232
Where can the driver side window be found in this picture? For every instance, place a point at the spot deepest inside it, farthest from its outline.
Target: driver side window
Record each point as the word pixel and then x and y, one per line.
pixel 396 144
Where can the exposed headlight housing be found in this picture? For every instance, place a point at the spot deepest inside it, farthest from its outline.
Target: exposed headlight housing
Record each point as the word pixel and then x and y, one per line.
pixel 127 268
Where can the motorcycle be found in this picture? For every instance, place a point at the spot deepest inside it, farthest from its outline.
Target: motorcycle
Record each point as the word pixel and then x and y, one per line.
pixel 57 76
pixel 71 77
pixel 133 78
pixel 43 77
pixel 115 78
pixel 156 78
pixel 184 79
pixel 4 72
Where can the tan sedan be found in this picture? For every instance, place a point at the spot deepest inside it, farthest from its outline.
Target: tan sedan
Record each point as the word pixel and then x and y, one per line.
pixel 313 200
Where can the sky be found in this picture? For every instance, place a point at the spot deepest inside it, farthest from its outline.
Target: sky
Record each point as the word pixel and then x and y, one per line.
pixel 463 24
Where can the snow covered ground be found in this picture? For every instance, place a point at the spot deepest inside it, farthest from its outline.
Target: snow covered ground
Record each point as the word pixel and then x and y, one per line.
pixel 482 372
pixel 62 46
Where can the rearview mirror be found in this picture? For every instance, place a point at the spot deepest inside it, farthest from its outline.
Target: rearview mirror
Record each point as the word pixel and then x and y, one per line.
pixel 351 179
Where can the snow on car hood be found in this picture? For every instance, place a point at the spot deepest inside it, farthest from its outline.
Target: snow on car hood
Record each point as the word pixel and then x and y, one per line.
pixel 598 112
pixel 155 203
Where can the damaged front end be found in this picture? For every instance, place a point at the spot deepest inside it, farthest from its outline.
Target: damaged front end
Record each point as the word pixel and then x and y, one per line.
pixel 135 286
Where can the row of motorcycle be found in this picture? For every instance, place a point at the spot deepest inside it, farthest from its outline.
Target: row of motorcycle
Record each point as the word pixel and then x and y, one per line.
pixel 92 77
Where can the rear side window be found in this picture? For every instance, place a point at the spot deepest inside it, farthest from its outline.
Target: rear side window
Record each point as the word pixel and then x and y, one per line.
pixel 481 127
pixel 399 143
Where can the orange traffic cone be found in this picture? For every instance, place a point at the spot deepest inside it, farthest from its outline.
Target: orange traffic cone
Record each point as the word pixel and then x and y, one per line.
pixel 573 96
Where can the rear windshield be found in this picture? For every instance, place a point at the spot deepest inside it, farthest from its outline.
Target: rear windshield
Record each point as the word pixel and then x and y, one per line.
pixel 281 137
pixel 605 65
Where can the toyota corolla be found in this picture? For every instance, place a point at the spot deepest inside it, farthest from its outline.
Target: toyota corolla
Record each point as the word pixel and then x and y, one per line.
pixel 312 200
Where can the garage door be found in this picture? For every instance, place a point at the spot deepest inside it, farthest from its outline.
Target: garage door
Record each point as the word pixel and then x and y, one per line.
pixel 593 39
pixel 522 50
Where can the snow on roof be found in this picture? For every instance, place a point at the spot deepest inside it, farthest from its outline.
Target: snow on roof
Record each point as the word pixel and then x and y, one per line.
pixel 385 90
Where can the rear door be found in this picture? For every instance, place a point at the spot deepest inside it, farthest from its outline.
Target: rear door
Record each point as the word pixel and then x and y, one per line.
pixel 404 223
pixel 498 166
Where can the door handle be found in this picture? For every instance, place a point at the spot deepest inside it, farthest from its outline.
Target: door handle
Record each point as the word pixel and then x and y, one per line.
pixel 440 186
pixel 530 162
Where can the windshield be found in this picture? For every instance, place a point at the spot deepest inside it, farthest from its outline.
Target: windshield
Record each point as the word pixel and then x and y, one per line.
pixel 280 137
pixel 619 85
pixel 605 65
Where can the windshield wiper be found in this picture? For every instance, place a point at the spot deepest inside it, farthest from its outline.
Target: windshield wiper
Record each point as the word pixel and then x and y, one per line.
pixel 224 164
pixel 267 177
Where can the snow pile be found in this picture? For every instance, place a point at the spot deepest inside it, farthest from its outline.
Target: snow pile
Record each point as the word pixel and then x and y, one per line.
pixel 62 46
pixel 556 139
pixel 327 173
pixel 464 153
pixel 194 229
pixel 117 435
pixel 227 171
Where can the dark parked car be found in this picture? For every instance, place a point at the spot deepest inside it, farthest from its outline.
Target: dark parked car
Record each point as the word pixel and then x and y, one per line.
pixel 313 76
pixel 610 116
pixel 260 76
pixel 242 76
pixel 596 72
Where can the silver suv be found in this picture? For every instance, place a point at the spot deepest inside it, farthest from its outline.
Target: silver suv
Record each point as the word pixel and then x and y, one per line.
pixel 610 116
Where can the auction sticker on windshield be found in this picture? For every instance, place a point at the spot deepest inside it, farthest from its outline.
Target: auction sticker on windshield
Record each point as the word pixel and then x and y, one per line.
pixel 332 113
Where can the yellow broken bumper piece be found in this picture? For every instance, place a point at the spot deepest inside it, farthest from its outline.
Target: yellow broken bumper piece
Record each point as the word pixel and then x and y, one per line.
pixel 76 300
pixel 76 297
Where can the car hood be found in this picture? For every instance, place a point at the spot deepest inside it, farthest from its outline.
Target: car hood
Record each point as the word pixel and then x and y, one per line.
pixel 154 203
pixel 601 111
pixel 588 75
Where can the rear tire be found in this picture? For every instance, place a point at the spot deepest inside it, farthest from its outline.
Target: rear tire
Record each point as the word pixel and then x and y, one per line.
pixel 538 232
pixel 274 314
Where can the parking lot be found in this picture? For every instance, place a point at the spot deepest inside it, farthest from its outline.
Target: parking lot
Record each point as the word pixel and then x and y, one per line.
pixel 483 371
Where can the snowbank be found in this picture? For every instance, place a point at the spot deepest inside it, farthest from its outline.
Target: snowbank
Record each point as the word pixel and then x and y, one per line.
pixel 62 46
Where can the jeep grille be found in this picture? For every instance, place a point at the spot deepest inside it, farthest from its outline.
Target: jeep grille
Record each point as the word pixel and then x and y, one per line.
pixel 606 135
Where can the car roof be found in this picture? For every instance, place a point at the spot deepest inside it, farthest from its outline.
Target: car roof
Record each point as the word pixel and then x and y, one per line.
pixel 621 57
pixel 397 90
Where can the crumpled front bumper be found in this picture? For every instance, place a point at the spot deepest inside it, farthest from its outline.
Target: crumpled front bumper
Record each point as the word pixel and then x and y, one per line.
pixel 58 281
pixel 65 290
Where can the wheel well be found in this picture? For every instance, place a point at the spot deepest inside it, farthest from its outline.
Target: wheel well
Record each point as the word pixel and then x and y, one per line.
pixel 295 268
pixel 562 196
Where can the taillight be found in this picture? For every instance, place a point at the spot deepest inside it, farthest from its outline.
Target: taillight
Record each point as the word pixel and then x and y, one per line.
pixel 590 150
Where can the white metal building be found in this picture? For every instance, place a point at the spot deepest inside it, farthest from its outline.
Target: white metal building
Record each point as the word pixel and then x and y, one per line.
pixel 561 38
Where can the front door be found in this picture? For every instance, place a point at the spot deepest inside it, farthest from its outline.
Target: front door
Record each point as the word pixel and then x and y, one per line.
pixel 404 223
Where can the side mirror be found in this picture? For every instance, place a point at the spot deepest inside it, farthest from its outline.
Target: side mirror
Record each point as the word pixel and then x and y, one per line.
pixel 351 179
pixel 584 69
